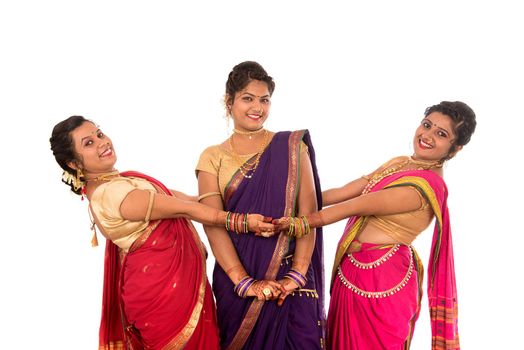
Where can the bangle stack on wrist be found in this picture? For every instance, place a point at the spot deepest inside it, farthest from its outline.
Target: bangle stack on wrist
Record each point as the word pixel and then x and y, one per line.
pixel 296 277
pixel 298 227
pixel 242 286
pixel 237 222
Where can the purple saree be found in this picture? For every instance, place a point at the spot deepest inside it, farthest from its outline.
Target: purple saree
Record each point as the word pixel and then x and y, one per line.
pixel 272 191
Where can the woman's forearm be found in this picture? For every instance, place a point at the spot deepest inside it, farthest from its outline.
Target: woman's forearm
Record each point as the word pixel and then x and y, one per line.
pixel 341 194
pixel 225 253
pixel 303 252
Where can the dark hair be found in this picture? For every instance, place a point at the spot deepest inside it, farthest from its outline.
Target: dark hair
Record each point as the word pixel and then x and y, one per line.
pixel 62 145
pixel 463 118
pixel 242 74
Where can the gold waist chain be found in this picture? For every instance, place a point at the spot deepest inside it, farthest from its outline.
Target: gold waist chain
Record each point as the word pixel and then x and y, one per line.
pixel 384 293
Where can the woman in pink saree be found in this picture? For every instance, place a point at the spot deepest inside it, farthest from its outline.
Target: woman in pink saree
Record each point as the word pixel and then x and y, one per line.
pixel 377 276
pixel 156 292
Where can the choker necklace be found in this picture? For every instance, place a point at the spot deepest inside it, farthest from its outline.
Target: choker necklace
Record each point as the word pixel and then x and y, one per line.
pixel 425 164
pixel 104 176
pixel 249 133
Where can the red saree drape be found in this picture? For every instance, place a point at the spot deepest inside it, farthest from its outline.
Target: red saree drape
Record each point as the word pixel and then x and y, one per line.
pixel 157 295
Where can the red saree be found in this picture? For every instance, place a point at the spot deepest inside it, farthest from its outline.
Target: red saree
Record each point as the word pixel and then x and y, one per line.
pixel 157 295
pixel 386 320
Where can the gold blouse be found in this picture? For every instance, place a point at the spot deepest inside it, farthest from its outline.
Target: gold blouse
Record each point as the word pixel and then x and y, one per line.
pixel 219 161
pixel 405 227
pixel 105 205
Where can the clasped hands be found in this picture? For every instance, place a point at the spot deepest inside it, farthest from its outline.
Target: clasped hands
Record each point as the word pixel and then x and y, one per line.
pixel 266 290
pixel 261 225
pixel 266 226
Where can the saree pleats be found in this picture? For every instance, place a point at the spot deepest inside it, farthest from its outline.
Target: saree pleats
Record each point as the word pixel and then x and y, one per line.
pixel 272 191
pixel 364 322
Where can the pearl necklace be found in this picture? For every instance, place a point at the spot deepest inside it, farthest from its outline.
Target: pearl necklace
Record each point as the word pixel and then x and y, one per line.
pixel 246 168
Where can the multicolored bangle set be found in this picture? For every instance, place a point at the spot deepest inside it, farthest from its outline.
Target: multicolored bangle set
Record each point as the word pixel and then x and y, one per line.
pixel 298 226
pixel 237 222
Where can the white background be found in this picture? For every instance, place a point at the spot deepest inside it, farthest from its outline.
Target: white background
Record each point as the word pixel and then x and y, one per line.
pixel 152 74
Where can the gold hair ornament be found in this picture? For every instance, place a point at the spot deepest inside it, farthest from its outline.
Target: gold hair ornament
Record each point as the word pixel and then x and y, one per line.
pixel 73 180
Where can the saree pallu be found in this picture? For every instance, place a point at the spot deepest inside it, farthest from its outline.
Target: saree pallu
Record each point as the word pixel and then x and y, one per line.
pixel 441 289
pixel 157 295
pixel 272 191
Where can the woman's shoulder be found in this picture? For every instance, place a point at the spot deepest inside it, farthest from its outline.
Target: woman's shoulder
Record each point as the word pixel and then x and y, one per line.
pixel 119 186
pixel 214 151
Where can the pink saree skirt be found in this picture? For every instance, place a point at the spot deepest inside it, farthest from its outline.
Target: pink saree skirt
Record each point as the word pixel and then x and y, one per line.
pixel 374 299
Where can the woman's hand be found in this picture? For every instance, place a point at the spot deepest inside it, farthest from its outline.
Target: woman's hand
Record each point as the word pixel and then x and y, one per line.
pixel 282 224
pixel 261 225
pixel 288 287
pixel 265 290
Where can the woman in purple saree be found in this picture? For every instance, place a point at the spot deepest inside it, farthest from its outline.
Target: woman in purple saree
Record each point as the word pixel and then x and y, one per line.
pixel 279 179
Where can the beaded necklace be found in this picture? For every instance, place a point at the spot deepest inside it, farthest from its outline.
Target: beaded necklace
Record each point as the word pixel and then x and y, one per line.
pixel 420 165
pixel 247 169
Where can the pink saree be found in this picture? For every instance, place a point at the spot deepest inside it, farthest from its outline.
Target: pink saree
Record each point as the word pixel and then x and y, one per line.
pixel 375 306
pixel 157 295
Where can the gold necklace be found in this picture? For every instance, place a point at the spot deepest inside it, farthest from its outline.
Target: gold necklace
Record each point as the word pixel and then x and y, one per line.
pixel 249 133
pixel 387 172
pixel 425 164
pixel 247 169
pixel 104 176
pixel 421 165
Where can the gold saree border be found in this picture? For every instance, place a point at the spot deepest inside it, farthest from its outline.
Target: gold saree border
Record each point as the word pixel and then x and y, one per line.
pixel 350 233
pixel 235 181
pixel 282 245
pixel 437 313
pixel 429 194
pixel 114 345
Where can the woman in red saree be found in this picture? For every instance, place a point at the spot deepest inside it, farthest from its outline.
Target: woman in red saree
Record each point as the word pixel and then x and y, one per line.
pixel 377 276
pixel 156 292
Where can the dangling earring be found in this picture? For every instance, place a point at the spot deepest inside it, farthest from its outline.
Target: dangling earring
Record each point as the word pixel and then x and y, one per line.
pixel 79 184
pixel 83 192
pixel 228 117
